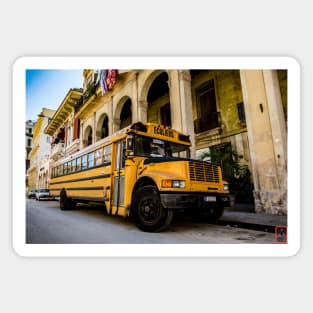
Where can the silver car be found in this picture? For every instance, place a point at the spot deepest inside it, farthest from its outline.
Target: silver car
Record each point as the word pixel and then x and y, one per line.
pixel 43 194
pixel 32 193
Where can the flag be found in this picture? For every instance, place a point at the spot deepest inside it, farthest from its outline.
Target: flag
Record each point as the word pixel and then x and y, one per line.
pixel 103 82
pixel 111 78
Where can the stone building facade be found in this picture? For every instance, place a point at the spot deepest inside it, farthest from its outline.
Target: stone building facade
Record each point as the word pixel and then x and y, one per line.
pixel 41 146
pixel 241 112
pixel 29 127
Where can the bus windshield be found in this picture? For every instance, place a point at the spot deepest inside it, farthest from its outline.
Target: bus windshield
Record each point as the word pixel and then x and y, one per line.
pixel 152 147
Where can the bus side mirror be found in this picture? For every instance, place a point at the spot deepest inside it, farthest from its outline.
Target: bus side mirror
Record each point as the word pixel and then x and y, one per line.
pixel 129 147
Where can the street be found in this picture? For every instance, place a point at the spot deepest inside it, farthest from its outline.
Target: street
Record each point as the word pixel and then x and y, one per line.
pixel 47 224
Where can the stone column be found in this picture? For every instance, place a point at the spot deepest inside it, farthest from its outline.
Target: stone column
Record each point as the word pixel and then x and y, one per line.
pixel 134 106
pixel 186 107
pixel 116 124
pixel 81 135
pixel 110 117
pixel 175 101
pixel 94 126
pixel 260 99
pixel 278 124
pixel 142 111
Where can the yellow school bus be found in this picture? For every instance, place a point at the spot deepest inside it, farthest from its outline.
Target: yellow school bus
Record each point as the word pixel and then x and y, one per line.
pixel 143 171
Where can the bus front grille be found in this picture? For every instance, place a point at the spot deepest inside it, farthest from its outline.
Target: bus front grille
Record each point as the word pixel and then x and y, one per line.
pixel 203 172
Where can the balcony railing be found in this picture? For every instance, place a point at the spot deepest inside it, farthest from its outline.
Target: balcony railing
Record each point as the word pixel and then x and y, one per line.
pixel 73 147
pixel 57 151
pixel 86 95
pixel 207 122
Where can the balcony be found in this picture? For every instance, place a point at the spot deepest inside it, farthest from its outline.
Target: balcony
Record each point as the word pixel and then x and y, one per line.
pixel 86 96
pixel 207 122
pixel 57 151
pixel 73 147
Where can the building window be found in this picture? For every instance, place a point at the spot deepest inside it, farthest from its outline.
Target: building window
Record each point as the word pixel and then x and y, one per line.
pixel 76 128
pixel 166 115
pixel 105 128
pixel 126 114
pixel 208 117
pixel 241 112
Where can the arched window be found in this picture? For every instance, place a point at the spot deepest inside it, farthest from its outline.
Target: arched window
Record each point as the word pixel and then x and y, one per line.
pixel 87 141
pixel 159 109
pixel 105 128
pixel 126 114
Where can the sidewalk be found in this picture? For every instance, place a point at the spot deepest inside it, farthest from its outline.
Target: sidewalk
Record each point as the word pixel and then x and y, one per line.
pixel 242 214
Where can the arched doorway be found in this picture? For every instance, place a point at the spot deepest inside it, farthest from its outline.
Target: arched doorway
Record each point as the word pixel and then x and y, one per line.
pixel 88 137
pixel 126 114
pixel 159 109
pixel 103 127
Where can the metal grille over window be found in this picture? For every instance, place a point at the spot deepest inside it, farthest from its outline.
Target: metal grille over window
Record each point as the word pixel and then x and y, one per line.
pixel 203 171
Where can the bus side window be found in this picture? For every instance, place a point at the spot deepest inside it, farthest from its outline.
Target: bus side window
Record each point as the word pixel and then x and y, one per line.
pixel 65 168
pixel 98 157
pixel 60 171
pixel 73 165
pixel 107 154
pixel 84 161
pixel 78 164
pixel 69 170
pixel 90 159
pixel 123 153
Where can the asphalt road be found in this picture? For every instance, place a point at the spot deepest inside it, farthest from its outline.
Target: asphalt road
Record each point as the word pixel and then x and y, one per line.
pixel 47 224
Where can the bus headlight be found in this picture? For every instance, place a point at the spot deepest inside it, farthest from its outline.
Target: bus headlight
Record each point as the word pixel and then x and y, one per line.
pixel 226 187
pixel 168 183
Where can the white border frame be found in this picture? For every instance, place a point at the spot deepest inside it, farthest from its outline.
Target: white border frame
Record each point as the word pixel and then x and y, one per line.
pixel 155 250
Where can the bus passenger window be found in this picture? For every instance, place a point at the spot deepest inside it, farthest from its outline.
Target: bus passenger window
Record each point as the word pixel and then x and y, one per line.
pixel 78 164
pixel 84 162
pixel 123 153
pixel 90 160
pixel 107 154
pixel 98 157
pixel 74 165
pixel 60 171
pixel 69 170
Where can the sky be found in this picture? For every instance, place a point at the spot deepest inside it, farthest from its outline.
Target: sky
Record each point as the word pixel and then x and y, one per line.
pixel 47 89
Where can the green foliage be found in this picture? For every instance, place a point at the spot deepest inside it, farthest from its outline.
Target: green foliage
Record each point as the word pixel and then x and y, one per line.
pixel 234 172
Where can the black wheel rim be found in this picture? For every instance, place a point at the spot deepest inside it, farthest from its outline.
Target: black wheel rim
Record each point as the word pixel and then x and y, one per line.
pixel 149 210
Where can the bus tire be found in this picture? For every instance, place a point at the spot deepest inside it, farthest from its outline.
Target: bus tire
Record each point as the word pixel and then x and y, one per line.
pixel 213 214
pixel 149 214
pixel 66 203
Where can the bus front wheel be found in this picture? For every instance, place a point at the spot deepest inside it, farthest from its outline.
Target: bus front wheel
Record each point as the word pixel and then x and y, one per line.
pixel 149 213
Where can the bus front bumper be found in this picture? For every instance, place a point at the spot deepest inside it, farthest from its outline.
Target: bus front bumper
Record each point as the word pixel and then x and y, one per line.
pixel 192 200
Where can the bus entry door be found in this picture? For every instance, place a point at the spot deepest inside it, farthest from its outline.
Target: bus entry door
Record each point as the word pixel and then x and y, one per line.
pixel 118 207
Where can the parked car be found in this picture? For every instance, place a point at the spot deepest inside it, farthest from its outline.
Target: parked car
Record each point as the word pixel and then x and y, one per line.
pixel 43 194
pixel 32 193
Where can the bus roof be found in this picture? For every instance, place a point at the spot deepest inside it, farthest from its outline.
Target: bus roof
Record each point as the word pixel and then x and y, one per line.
pixel 146 129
